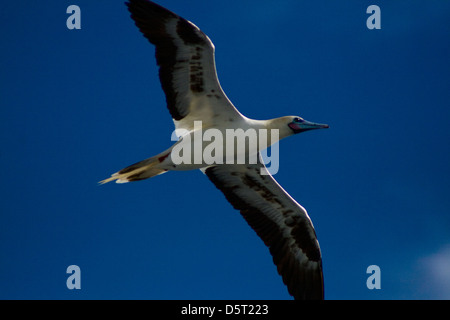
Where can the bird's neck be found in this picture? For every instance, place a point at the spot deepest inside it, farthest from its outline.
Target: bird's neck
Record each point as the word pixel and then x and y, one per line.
pixel 280 124
pixel 272 125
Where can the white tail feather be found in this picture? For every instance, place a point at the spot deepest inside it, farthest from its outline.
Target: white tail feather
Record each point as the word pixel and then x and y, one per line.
pixel 138 171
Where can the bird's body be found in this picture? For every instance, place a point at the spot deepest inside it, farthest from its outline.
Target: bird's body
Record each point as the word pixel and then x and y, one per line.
pixel 209 128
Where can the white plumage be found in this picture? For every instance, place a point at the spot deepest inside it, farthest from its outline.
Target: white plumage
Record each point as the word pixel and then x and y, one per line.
pixel 188 77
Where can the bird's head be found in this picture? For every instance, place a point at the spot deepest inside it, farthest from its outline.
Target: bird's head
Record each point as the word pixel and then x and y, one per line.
pixel 298 125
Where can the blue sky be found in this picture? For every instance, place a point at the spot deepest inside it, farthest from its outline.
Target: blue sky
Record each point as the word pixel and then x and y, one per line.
pixel 77 105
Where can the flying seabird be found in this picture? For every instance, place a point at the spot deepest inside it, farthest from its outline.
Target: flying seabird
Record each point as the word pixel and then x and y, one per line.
pixel 185 56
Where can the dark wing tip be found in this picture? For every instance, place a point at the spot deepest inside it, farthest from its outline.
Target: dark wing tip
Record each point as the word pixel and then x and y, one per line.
pixel 135 6
pixel 304 280
pixel 163 28
pixel 150 18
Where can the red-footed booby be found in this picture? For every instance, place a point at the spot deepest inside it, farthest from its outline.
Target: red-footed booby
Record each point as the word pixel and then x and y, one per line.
pixel 185 56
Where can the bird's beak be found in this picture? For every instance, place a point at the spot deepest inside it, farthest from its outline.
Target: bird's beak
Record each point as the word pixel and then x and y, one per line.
pixel 298 127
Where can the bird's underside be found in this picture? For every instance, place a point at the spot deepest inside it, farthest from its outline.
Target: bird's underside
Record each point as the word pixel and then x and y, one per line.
pixel 185 56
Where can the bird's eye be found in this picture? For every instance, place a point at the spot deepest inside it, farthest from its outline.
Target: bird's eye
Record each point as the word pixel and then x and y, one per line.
pixel 298 119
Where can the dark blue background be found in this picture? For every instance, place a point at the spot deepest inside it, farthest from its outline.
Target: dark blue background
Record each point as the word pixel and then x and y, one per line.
pixel 77 105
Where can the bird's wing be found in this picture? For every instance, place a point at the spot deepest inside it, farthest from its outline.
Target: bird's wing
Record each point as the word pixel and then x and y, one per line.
pixel 187 71
pixel 279 221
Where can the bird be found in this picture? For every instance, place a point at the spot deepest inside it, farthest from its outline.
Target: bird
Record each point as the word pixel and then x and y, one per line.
pixel 188 76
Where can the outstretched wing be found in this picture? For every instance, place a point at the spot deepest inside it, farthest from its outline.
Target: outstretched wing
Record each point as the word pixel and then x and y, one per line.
pixel 187 71
pixel 279 221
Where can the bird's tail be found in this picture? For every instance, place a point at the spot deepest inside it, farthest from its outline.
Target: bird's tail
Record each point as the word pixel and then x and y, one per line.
pixel 139 171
